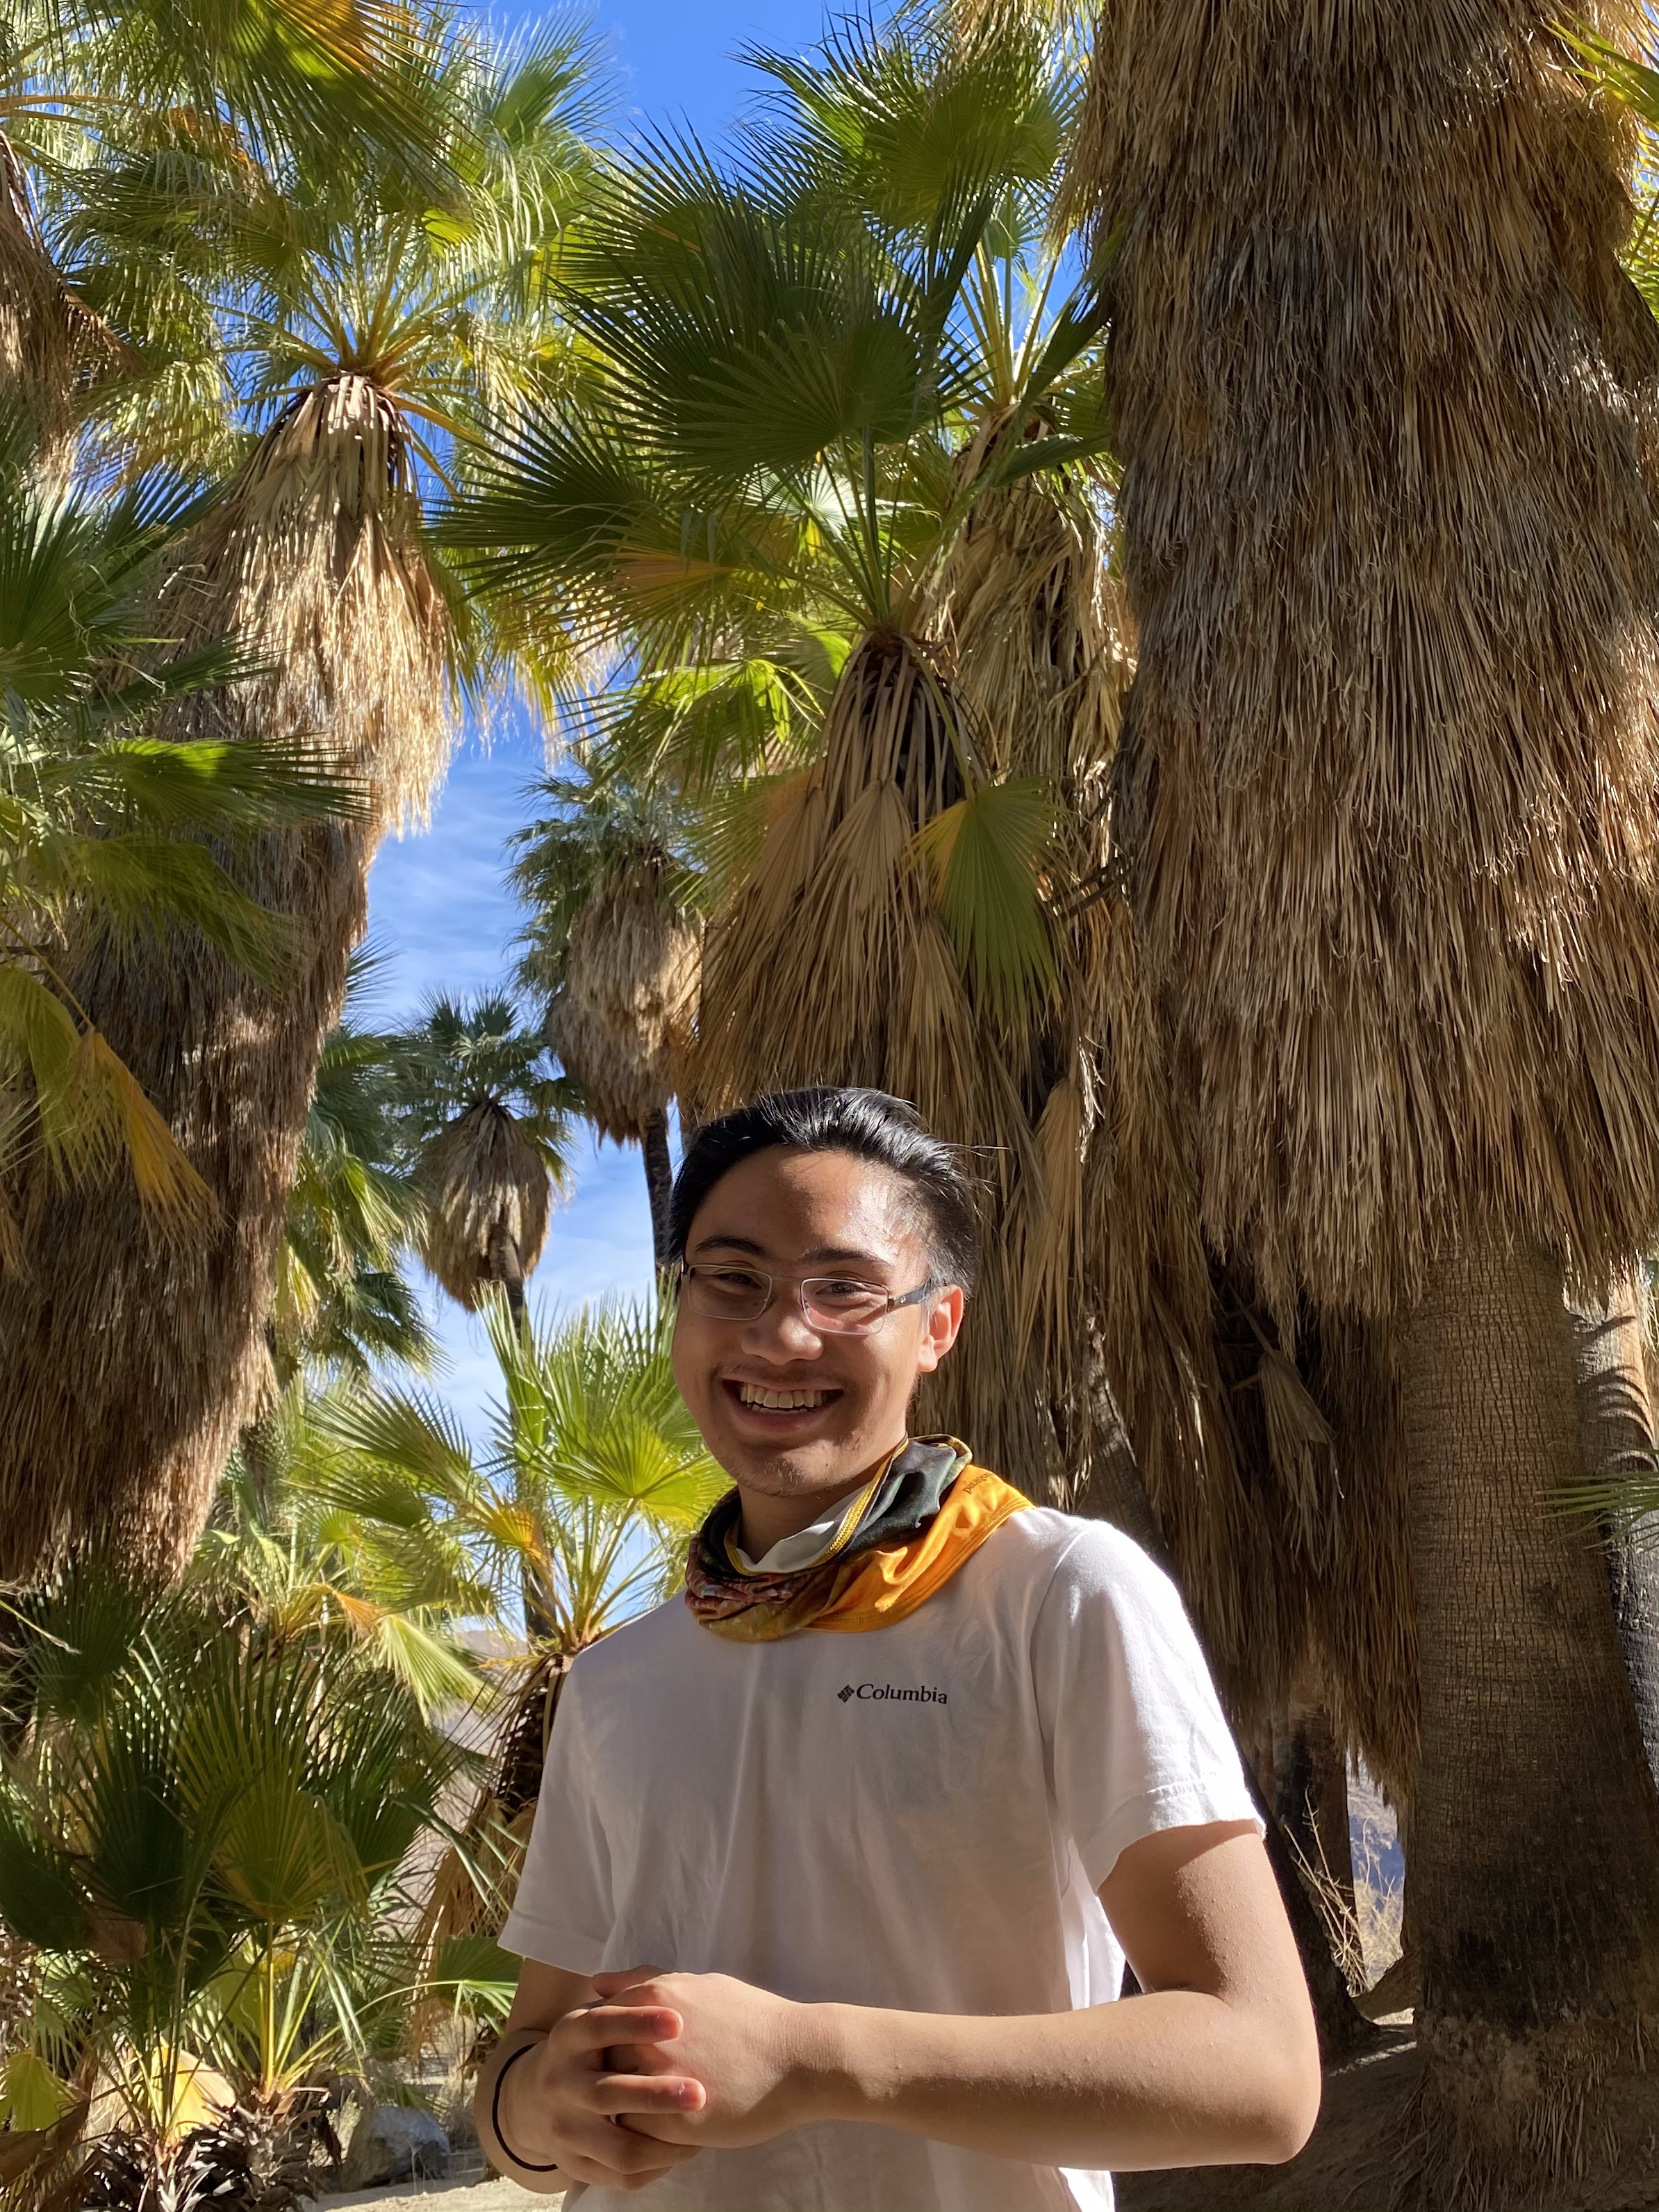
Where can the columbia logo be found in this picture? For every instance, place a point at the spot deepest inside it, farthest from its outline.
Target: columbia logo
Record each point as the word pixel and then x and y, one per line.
pixel 881 1691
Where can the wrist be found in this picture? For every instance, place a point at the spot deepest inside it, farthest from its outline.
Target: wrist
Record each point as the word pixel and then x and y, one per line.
pixel 826 2063
pixel 517 2104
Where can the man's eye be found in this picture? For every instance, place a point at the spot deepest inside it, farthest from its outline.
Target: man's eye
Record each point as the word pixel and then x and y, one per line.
pixel 838 1290
pixel 730 1279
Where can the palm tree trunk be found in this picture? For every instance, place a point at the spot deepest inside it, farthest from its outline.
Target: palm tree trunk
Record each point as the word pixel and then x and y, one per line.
pixel 129 1362
pixel 1616 1423
pixel 506 1268
pixel 1534 1835
pixel 658 1180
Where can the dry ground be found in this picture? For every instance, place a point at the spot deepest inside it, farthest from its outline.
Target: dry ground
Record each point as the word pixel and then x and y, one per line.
pixel 468 2193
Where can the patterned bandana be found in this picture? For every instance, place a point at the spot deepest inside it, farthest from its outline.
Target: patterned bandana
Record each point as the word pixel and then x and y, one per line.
pixel 902 1538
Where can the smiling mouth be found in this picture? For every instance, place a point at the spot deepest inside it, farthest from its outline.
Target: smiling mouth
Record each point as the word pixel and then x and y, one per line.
pixel 759 1398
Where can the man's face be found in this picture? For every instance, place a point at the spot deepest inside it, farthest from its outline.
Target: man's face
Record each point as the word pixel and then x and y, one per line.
pixel 794 1214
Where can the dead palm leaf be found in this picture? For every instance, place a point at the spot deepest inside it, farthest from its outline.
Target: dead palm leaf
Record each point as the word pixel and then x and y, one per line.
pixel 1386 789
pixel 488 1203
pixel 50 341
pixel 487 1130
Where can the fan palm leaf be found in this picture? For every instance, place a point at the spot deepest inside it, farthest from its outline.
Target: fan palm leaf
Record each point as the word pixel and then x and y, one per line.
pixel 190 1835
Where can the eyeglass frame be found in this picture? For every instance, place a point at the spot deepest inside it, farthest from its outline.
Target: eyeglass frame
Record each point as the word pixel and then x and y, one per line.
pixel 892 1301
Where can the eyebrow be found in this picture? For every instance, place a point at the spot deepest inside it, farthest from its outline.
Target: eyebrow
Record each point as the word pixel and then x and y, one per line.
pixel 825 1254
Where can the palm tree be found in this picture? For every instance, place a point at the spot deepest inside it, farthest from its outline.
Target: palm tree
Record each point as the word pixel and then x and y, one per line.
pixel 815 364
pixel 613 949
pixel 342 1301
pixel 370 317
pixel 590 1484
pixel 105 835
pixel 302 1543
pixel 1385 783
pixel 487 1129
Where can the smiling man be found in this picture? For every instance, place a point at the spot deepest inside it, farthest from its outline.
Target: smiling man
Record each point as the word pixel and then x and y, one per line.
pixel 839 1855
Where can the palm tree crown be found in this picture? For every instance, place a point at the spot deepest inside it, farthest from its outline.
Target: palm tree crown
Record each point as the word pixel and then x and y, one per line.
pixel 487 1125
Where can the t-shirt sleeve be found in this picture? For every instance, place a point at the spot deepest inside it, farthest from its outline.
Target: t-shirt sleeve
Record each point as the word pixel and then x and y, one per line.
pixel 1130 1717
pixel 563 1914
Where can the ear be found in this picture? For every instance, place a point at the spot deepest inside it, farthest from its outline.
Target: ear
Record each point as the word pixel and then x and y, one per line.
pixel 941 1324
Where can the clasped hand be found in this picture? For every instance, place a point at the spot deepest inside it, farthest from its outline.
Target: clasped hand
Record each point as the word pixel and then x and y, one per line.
pixel 659 2066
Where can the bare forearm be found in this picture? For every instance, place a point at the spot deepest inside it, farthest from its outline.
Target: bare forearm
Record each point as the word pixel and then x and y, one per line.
pixel 1174 2079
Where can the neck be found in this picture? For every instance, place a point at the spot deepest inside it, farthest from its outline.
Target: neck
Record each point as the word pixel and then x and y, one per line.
pixel 766 1521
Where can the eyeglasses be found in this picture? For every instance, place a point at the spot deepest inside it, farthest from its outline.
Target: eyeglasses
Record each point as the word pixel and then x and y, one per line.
pixel 836 1305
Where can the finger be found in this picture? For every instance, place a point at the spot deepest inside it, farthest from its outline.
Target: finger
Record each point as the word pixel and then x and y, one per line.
pixel 598 2175
pixel 615 2093
pixel 595 2027
pixel 603 2142
pixel 639 2058
pixel 618 2148
pixel 618 1979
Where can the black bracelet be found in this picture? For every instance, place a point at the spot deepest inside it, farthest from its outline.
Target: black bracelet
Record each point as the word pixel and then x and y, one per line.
pixel 552 2166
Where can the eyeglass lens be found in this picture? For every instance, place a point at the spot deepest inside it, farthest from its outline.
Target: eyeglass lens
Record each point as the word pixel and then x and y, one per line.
pixel 836 1303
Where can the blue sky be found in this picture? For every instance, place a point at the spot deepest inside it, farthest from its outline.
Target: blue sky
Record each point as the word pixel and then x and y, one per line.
pixel 438 907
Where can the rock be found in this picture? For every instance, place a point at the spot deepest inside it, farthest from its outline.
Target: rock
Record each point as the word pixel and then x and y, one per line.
pixel 396 2142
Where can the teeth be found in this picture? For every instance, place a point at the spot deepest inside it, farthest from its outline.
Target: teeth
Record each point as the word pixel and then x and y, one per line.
pixel 790 1401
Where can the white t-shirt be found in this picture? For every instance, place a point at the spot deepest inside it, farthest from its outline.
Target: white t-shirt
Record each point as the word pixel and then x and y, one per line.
pixel 916 1816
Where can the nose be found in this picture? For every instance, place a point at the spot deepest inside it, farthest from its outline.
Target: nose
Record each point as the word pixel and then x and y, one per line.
pixel 782 1333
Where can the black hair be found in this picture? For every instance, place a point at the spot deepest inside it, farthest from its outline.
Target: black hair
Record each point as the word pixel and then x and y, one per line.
pixel 871 1126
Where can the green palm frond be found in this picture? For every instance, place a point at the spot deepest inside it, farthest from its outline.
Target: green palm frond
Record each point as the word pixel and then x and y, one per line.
pixel 987 854
pixel 312 72
pixel 593 1416
pixel 594 1475
pixel 1632 85
pixel 910 121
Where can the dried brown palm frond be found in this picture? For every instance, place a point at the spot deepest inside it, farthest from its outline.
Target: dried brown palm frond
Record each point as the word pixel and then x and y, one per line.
pixel 488 1202
pixel 1396 870
pixel 1393 803
pixel 832 964
pixel 1237 1454
pixel 1034 626
pixel 49 340
pixel 621 1022
pixel 1387 784
pixel 127 1366
pixel 833 961
pixel 322 536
